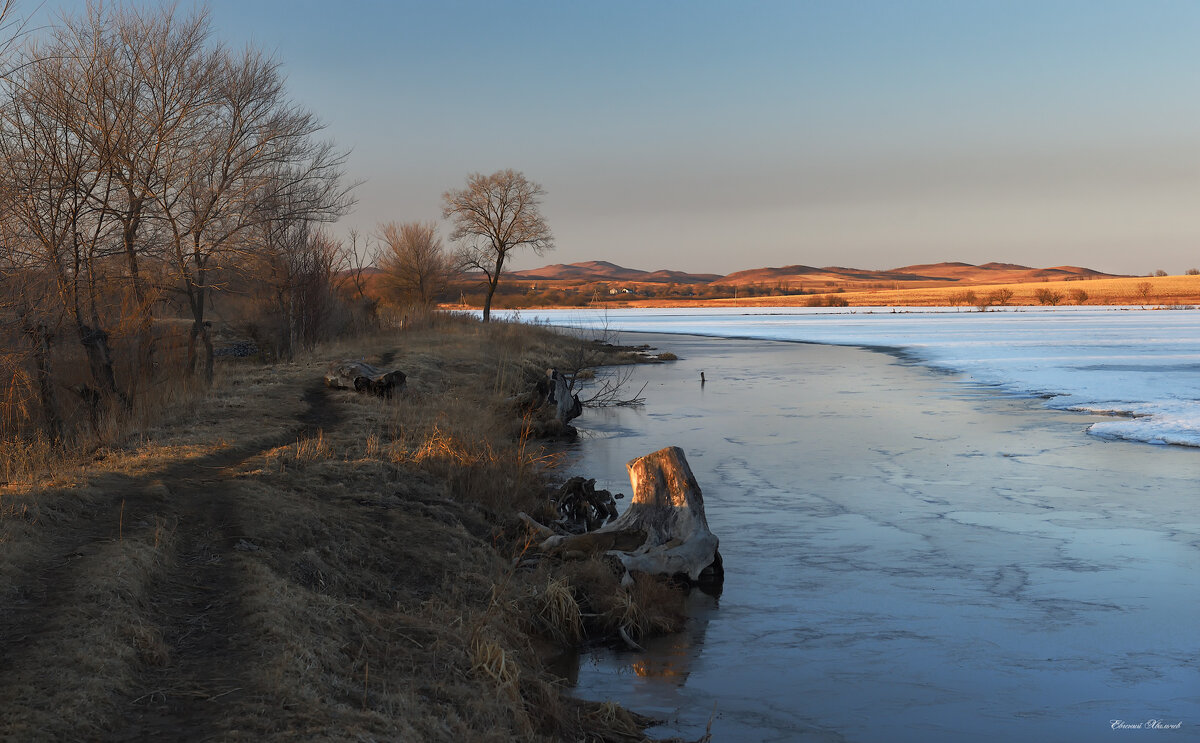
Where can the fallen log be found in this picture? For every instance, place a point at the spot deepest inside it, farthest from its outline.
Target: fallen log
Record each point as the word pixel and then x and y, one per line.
pixel 601 541
pixel 663 531
pixel 362 377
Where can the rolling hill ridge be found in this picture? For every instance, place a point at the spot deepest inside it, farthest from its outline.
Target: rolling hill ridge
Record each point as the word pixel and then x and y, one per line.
pixel 920 275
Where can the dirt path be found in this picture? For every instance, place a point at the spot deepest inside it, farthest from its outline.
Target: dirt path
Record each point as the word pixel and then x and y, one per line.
pixel 198 603
pixel 171 537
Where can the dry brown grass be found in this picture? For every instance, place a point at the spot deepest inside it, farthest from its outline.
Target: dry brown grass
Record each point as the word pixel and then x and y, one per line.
pixel 25 447
pixel 358 553
pixel 648 607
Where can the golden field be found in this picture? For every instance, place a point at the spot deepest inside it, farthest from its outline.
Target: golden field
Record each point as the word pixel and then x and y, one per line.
pixel 1132 290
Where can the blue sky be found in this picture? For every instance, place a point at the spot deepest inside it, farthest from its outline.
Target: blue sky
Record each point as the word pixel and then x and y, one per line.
pixel 716 136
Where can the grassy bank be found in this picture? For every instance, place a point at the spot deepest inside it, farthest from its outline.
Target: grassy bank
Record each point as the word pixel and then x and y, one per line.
pixel 283 561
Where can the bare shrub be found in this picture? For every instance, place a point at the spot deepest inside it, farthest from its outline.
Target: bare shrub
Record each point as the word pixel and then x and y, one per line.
pixel 415 268
pixel 1000 297
pixel 1048 296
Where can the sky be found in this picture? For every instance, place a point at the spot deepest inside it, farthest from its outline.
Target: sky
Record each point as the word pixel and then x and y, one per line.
pixel 720 136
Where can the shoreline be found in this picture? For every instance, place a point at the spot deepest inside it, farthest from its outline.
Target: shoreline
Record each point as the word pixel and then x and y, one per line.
pixel 1087 361
pixel 911 359
pixel 962 511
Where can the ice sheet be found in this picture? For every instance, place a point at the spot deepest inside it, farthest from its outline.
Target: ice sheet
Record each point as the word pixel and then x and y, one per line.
pixel 907 557
pixel 1141 367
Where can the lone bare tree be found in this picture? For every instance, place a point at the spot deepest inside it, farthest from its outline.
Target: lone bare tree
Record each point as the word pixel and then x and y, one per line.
pixel 415 266
pixel 1144 290
pixel 494 215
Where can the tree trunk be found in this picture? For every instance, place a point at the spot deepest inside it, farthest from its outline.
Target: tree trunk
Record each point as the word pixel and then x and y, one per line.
pixel 145 319
pixel 493 282
pixel 189 367
pixel 99 355
pixel 667 509
pixel 487 302
pixel 200 332
pixel 206 339
pixel 45 381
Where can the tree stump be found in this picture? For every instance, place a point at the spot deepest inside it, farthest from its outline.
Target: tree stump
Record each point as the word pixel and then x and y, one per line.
pixel 567 406
pixel 668 509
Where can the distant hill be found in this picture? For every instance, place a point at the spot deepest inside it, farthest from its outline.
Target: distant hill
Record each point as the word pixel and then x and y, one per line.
pixel 1000 273
pixel 916 276
pixel 836 274
pixel 605 271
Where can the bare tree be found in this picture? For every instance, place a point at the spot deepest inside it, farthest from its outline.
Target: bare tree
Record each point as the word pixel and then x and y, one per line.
pixel 415 267
pixel 1144 290
pixel 295 261
pixel 253 161
pixel 493 216
pixel 966 297
pixel 146 116
pixel 58 195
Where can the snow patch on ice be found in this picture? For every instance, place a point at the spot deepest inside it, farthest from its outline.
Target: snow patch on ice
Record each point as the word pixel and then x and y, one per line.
pixel 1144 365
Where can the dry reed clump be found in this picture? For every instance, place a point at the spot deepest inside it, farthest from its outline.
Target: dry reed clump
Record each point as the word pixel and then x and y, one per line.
pixel 489 659
pixel 311 448
pixel 551 608
pixel 649 606
pixel 611 723
pixel 22 457
pixel 464 440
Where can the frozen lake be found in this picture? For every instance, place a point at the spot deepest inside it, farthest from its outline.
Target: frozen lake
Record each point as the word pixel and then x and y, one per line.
pixel 909 555
pixel 1139 364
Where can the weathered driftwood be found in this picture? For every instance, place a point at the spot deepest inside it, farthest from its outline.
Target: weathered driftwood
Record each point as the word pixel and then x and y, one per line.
pixel 601 541
pixel 362 377
pixel 663 531
pixel 582 508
